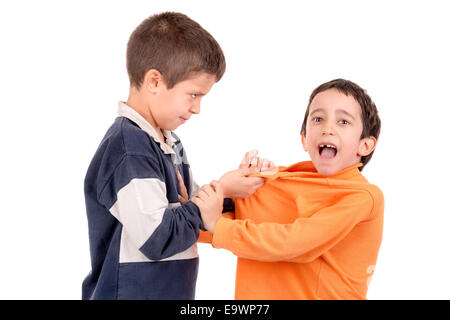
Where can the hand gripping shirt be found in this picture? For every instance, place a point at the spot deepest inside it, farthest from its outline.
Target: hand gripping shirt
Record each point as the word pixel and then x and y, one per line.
pixel 142 241
pixel 305 236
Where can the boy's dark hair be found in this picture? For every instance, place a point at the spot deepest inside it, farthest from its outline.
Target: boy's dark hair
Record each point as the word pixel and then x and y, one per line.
pixel 369 113
pixel 176 46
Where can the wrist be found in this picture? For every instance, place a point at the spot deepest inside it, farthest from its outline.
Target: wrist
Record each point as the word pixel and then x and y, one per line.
pixel 213 224
pixel 225 189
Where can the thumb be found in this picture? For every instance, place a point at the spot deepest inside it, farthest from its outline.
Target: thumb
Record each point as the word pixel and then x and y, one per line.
pixel 180 179
pixel 248 171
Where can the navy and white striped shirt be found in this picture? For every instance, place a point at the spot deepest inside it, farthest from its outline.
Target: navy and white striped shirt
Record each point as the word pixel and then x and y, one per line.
pixel 142 241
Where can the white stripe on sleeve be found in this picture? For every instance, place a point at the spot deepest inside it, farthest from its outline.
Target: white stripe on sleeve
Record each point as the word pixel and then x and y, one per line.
pixel 140 207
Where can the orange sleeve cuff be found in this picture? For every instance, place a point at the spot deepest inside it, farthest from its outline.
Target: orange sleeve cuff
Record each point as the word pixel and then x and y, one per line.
pixel 222 233
pixel 205 237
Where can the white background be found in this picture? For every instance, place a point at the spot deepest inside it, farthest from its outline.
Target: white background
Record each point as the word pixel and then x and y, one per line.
pixel 62 71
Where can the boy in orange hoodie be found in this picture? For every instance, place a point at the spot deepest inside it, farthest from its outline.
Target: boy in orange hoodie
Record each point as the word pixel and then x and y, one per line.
pixel 314 229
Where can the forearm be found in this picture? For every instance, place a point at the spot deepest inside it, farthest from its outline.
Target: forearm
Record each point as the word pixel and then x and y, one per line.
pixel 178 230
pixel 300 241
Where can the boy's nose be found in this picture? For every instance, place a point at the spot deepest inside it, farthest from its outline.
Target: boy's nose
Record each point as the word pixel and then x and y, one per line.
pixel 327 130
pixel 195 108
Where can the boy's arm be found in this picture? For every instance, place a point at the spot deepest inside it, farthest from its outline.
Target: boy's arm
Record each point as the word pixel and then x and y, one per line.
pixel 237 184
pixel 228 203
pixel 242 182
pixel 136 196
pixel 301 241
pixel 206 236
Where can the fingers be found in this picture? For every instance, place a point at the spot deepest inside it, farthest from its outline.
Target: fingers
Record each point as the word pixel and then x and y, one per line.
pixel 210 202
pixel 261 163
pixel 181 182
pixel 264 164
pixel 202 194
pixel 205 192
pixel 250 158
pixel 210 190
pixel 267 165
pixel 217 188
pixel 197 200
pixel 183 197
pixel 256 163
pixel 180 179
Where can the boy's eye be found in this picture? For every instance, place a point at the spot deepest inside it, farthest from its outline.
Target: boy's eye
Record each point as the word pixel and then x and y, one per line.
pixel 193 96
pixel 316 119
pixel 344 122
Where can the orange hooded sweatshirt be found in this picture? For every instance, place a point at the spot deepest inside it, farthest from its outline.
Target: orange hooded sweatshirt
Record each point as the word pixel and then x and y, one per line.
pixel 305 236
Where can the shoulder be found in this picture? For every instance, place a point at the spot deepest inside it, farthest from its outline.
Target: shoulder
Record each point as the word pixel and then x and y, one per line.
pixel 125 137
pixel 375 192
pixel 365 189
pixel 125 142
pixel 376 198
pixel 135 140
pixel 368 197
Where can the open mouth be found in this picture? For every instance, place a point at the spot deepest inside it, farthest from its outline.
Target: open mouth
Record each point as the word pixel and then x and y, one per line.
pixel 327 151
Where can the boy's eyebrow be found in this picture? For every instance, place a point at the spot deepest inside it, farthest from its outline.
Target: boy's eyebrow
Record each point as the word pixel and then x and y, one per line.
pixel 316 111
pixel 346 113
pixel 197 92
pixel 337 111
pixel 196 89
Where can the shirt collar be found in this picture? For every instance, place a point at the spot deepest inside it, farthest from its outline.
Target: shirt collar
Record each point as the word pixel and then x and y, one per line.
pixel 129 113
pixel 306 169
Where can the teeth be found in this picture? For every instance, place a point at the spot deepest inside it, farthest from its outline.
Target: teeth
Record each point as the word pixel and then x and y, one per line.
pixel 327 145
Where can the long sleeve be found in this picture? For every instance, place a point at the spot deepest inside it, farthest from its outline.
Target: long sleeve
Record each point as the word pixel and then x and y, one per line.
pixel 158 228
pixel 300 241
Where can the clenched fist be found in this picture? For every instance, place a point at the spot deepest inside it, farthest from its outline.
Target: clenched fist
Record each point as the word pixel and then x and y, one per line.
pixel 209 199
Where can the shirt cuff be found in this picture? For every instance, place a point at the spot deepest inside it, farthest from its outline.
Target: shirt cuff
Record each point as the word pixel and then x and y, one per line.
pixel 228 205
pixel 193 208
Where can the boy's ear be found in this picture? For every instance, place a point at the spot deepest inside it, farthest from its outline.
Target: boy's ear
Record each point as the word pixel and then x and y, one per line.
pixel 304 142
pixel 366 146
pixel 153 81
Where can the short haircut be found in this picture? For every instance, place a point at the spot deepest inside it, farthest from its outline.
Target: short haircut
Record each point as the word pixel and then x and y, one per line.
pixel 369 113
pixel 176 46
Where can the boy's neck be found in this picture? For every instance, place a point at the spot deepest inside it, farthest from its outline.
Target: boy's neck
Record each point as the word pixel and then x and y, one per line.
pixel 355 165
pixel 140 105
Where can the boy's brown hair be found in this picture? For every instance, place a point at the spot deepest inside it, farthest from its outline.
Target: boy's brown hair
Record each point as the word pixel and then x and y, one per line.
pixel 369 113
pixel 176 46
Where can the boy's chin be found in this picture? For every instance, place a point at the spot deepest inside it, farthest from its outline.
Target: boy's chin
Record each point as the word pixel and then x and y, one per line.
pixel 171 127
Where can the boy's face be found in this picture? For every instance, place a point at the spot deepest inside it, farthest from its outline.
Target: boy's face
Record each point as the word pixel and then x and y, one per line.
pixel 170 108
pixel 333 132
